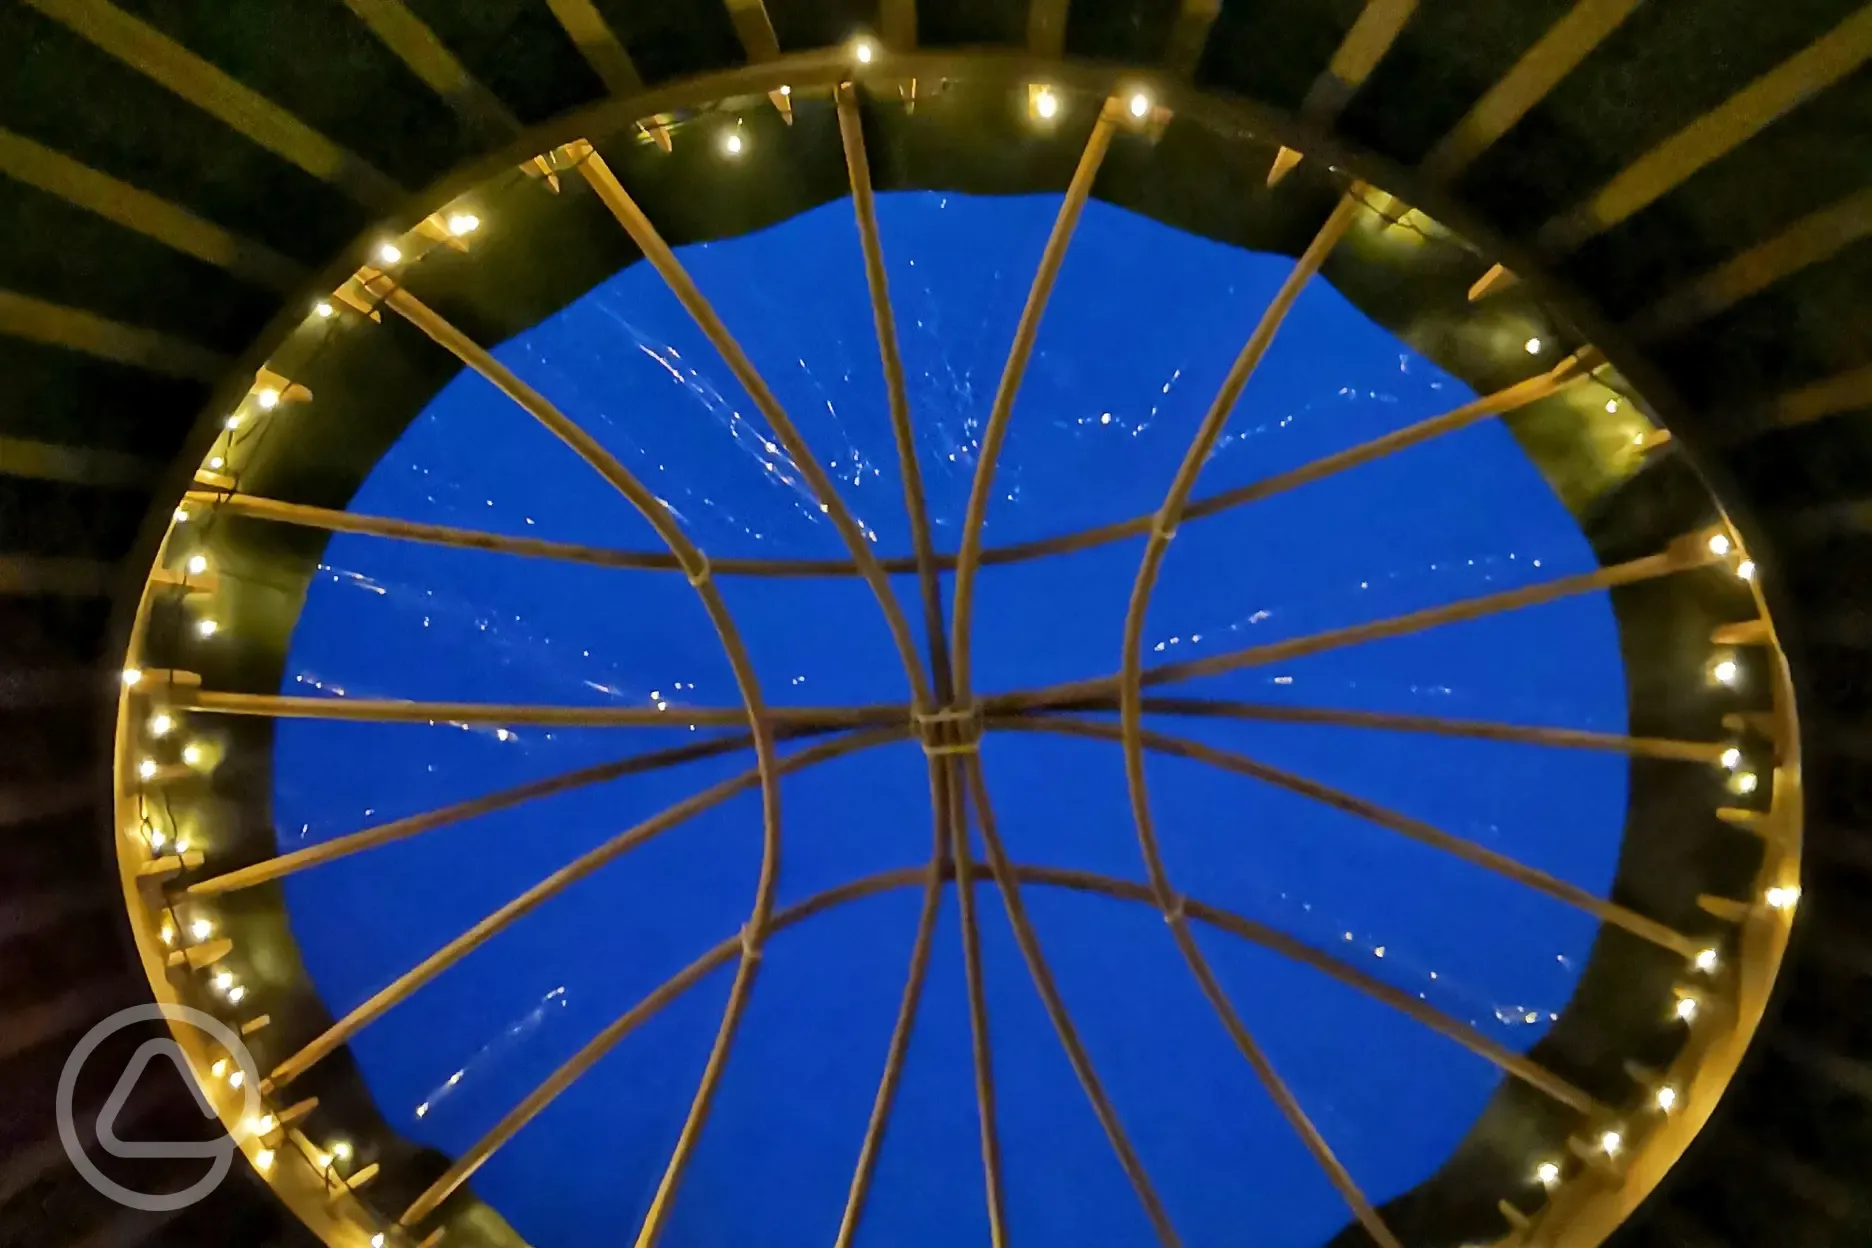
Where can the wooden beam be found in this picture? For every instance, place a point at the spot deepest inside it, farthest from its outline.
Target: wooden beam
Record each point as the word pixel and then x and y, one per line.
pixel 1046 27
pixel 22 316
pixel 32 576
pixel 755 29
pixel 149 215
pixel 75 465
pixel 151 53
pixel 1540 69
pixel 598 45
pixel 1810 240
pixel 429 59
pixel 1371 36
pixel 1189 37
pixel 1717 133
pixel 897 24
pixel 1377 27
pixel 1844 392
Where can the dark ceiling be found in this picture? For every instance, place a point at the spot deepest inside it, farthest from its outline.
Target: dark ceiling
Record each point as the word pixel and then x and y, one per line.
pixel 286 128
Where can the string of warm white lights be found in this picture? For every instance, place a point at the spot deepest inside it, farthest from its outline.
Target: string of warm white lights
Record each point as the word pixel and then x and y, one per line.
pixel 193 934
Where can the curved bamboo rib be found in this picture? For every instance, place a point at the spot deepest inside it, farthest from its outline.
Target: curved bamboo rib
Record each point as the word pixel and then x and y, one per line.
pixel 872 1144
pixel 1709 752
pixel 1505 1059
pixel 696 568
pixel 1568 372
pixel 284 865
pixel 1029 942
pixel 594 1050
pixel 332 521
pixel 677 278
pixel 864 207
pixel 665 1199
pixel 969 557
pixel 1569 894
pixel 1130 692
pixel 1684 554
pixel 585 864
pixel 395 711
pixel 981 1050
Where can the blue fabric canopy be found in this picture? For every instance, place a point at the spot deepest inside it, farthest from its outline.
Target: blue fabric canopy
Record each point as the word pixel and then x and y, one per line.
pixel 1142 326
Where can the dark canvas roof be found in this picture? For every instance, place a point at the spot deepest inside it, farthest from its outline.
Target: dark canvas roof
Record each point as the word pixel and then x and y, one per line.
pixel 1763 380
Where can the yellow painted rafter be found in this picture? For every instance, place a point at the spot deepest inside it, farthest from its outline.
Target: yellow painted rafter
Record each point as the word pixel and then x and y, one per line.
pixel 1716 133
pixel 122 204
pixel 151 53
pixel 429 59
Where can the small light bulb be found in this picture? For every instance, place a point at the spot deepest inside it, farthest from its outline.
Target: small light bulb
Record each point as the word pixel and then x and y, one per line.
pixel 1046 103
pixel 1637 439
pixel 1548 1173
pixel 219 1068
pixel 342 1150
pixel 1532 346
pixel 167 934
pixel 217 463
pixel 377 1240
pixel 1611 1141
pixel 1783 896
pixel 263 1160
pixel 1732 758
pixel 732 144
pixel 224 980
pixel 157 840
pixel 234 995
pixel 1686 1008
pixel 1719 544
pixel 1706 961
pixel 268 399
pixel 864 51
pixel 181 845
pixel 1666 1098
pixel 231 423
pixel 197 564
pixel 321 1161
pixel 1139 105
pixel 160 724
pixel 1746 569
pixel 1725 672
pixel 181 515
pixel 463 223
pixel 201 929
pixel 324 309
pixel 147 769
pixel 207 628
pixel 1746 782
pixel 1611 405
pixel 261 1126
pixel 192 754
pixel 132 677
pixel 422 1109
pixel 389 253
pixel 501 734
pixel 785 90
